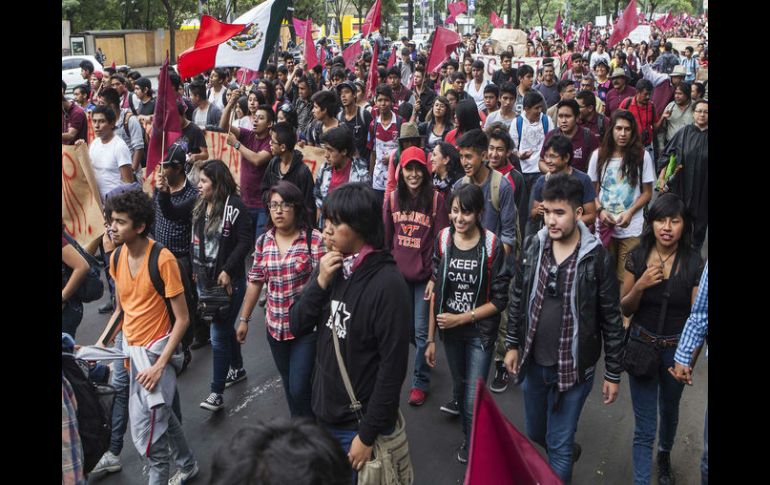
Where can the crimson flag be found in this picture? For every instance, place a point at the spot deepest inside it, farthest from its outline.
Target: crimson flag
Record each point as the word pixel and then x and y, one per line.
pixel 625 24
pixel 373 18
pixel 351 54
pixel 392 58
pixel 245 76
pixel 455 9
pixel 374 77
pixel 444 42
pixel 310 54
pixel 496 21
pixel 569 35
pixel 113 66
pixel 202 55
pixel 299 27
pixel 499 453
pixel 557 26
pixel 166 127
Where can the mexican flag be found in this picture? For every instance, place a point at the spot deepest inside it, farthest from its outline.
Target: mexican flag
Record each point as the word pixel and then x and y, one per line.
pixel 247 42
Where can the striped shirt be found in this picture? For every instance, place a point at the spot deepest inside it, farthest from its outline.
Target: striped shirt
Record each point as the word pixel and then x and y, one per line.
pixel 697 325
pixel 173 218
pixel 71 448
pixel 285 275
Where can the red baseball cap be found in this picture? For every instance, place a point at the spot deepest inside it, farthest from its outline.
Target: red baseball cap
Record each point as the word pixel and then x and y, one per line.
pixel 411 154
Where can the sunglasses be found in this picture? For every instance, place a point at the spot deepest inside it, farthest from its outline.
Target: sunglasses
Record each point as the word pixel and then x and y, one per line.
pixel 551 286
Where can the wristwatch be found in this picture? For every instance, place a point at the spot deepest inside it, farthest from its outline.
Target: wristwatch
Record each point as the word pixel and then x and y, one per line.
pixel 237 145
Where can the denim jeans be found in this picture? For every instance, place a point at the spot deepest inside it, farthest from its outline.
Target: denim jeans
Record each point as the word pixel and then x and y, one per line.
pixel 171 445
pixel 120 381
pixel 258 220
pixel 421 378
pixel 71 316
pixel 225 349
pixel 294 359
pixel 345 438
pixel 468 360
pixel 651 396
pixel 704 462
pixel 553 429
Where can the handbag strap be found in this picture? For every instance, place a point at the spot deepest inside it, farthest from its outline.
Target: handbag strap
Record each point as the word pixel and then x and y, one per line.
pixel 355 404
pixel 667 294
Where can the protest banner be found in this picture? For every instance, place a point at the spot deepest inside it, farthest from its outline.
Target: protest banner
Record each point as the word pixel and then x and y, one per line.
pixel 640 33
pixel 679 43
pixel 82 212
pixel 492 64
pixel 313 157
pixel 502 38
pixel 90 135
pixel 220 150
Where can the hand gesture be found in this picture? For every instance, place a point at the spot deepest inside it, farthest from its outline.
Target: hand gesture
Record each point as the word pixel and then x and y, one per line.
pixel 610 392
pixel 449 320
pixel 161 183
pixel 624 219
pixel 681 373
pixel 240 334
pixel 328 266
pixel 224 280
pixel 651 277
pixel 512 361
pixel 430 354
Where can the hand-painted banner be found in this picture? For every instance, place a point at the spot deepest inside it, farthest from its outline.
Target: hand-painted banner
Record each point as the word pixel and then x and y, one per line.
pixel 492 64
pixel 220 150
pixel 313 157
pixel 82 214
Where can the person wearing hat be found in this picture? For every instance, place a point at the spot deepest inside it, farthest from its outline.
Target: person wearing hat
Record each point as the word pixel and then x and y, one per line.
pixel 603 83
pixel 355 117
pixel 96 84
pixel 620 91
pixel 413 215
pixel 664 84
pixel 409 136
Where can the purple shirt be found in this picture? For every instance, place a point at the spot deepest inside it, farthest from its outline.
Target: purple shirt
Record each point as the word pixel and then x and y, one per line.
pixel 251 176
pixel 614 98
pixel 580 152
pixel 75 117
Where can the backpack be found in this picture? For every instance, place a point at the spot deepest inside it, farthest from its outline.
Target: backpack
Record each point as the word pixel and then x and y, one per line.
pixel 145 138
pixel 520 126
pixel 224 95
pixel 627 103
pixel 601 120
pixel 494 188
pixel 92 287
pixel 489 242
pixel 94 410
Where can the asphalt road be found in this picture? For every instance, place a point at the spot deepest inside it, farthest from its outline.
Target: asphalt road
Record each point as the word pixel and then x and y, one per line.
pixel 605 432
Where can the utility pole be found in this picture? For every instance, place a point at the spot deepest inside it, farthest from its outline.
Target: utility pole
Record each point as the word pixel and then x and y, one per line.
pixel 410 18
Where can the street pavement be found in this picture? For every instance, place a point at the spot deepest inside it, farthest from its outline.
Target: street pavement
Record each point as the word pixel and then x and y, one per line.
pixel 605 432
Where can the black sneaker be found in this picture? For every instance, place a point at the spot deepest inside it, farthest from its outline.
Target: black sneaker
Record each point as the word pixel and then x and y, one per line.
pixel 665 477
pixel 500 382
pixel 235 375
pixel 577 450
pixel 462 453
pixel 214 402
pixel 452 407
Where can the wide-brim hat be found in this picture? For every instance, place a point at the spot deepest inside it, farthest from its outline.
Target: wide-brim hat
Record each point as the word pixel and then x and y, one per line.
pixel 678 71
pixel 618 72
pixel 409 131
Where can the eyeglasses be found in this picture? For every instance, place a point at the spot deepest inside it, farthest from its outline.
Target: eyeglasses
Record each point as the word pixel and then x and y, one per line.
pixel 551 286
pixel 283 206
pixel 701 111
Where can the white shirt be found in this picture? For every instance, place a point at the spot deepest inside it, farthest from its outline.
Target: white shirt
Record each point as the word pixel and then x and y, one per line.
pixel 246 122
pixel 596 56
pixel 477 95
pixel 106 160
pixel 216 98
pixel 200 117
pixel 616 195
pixel 498 116
pixel 532 138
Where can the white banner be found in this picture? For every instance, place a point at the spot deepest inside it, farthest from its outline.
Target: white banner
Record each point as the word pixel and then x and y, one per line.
pixel 601 21
pixel 641 33
pixel 492 64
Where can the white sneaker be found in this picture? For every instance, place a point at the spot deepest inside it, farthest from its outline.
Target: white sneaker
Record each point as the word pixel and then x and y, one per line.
pixel 181 477
pixel 108 463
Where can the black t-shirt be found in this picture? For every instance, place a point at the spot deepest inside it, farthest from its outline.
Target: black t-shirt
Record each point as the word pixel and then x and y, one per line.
pixel 146 109
pixel 192 139
pixel 545 346
pixel 359 126
pixel 679 303
pixel 462 281
pixel 500 77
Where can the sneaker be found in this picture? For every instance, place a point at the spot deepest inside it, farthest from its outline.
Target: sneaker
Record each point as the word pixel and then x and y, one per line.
pixel 108 463
pixel 577 450
pixel 462 453
pixel 500 382
pixel 417 397
pixel 214 402
pixel 181 477
pixel 235 375
pixel 452 407
pixel 665 477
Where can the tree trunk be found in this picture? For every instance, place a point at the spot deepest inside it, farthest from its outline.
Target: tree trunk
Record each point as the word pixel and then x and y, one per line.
pixel 289 20
pixel 410 18
pixel 171 31
pixel 509 15
pixel 517 24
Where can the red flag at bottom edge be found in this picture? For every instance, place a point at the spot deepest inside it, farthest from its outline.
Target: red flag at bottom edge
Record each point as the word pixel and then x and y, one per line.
pixel 499 453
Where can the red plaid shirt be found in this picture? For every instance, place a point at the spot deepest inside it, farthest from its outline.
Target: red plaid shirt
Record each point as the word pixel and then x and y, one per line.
pixel 285 275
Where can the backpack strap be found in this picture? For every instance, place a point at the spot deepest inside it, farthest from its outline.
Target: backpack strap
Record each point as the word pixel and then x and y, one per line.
pixel 157 280
pixel 392 200
pixel 586 138
pixel 519 129
pixel 435 206
pixel 309 239
pixel 544 121
pixel 126 117
pixel 600 122
pixel 627 104
pixel 131 103
pixel 494 188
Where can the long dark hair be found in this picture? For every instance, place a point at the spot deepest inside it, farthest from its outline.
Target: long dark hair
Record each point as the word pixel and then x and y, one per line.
pixel 424 200
pixel 471 199
pixel 454 170
pixel 448 115
pixel 633 154
pixel 270 95
pixel 467 116
pixel 668 205
pixel 224 186
pixel 290 194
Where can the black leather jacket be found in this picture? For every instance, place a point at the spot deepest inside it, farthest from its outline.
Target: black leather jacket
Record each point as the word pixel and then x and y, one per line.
pixel 596 302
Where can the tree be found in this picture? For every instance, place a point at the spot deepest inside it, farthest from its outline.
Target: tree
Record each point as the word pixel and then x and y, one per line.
pixel 176 11
pixel 339 7
pixel 541 7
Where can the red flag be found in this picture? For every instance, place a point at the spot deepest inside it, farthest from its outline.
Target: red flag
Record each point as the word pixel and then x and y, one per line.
pixel 557 26
pixel 113 66
pixel 373 18
pixel 166 127
pixel 245 76
pixel 569 35
pixel 625 24
pixel 374 77
pixel 392 58
pixel 351 54
pixel 455 9
pixel 499 453
pixel 202 55
pixel 310 55
pixel 444 42
pixel 496 21
pixel 299 27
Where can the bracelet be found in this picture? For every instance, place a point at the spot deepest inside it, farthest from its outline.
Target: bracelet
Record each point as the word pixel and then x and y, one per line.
pixel 244 319
pixel 430 341
pixel 473 316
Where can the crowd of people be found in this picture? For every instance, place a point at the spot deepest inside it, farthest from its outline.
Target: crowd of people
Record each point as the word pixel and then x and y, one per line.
pixel 532 221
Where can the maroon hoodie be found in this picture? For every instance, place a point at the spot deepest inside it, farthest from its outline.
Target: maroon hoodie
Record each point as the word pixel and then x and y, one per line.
pixel 410 236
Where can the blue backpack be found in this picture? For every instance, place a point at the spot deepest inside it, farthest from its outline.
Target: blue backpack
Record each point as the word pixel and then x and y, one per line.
pixel 520 126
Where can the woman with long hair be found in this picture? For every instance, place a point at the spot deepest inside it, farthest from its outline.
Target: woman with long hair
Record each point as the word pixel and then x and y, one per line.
pixel 414 209
pixel 267 88
pixel 467 65
pixel 471 289
pixel 663 265
pixel 437 124
pixel 253 100
pixel 467 118
pixel 446 167
pixel 622 173
pixel 221 239
pixel 285 256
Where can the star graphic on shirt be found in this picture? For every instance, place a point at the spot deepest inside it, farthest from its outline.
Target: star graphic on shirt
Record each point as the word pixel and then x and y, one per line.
pixel 338 309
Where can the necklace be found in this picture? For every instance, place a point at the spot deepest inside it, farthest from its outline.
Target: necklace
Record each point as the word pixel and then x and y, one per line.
pixel 663 261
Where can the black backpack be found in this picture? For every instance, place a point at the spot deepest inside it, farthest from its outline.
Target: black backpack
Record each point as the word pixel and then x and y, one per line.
pixel 92 287
pixel 94 410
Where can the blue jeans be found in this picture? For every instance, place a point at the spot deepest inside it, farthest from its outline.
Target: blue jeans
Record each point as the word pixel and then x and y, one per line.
pixel 651 396
pixel 553 429
pixel 120 406
pixel 225 349
pixel 345 438
pixel 171 446
pixel 258 220
pixel 468 360
pixel 294 359
pixel 71 316
pixel 704 462
pixel 421 378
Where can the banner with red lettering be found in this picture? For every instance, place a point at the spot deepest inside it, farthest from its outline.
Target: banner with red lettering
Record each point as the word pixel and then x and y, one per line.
pixel 492 64
pixel 81 207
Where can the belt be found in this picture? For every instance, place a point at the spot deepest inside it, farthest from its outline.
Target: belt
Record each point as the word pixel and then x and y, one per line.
pixel 658 341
